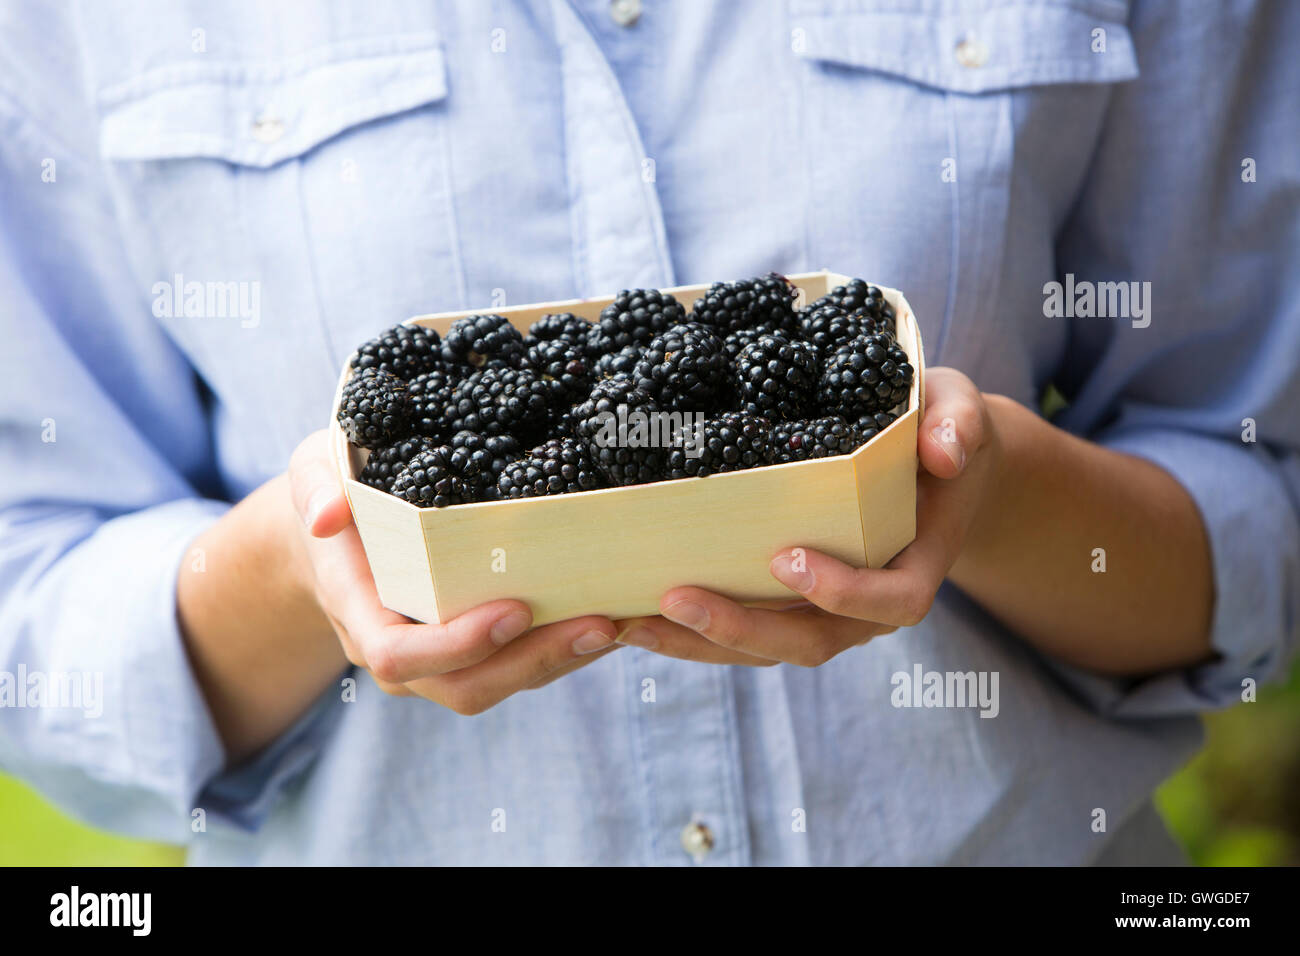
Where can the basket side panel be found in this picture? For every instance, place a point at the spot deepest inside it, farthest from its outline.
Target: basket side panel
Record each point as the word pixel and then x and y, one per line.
pixel 616 552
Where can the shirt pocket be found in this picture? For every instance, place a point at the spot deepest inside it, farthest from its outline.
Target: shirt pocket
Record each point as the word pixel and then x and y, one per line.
pixel 287 209
pixel 925 122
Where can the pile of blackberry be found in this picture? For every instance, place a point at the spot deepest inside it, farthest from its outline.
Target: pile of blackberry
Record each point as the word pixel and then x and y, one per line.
pixel 647 392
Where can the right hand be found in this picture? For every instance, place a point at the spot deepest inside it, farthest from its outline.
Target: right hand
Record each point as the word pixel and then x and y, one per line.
pixel 467 664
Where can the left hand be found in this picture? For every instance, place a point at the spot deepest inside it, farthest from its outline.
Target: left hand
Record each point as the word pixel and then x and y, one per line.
pixel 837 606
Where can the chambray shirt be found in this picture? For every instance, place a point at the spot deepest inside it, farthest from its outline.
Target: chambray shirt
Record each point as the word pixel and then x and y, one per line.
pixel 335 170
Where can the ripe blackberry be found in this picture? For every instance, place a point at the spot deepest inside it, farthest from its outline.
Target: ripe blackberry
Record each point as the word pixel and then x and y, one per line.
pixel 404 350
pixel 683 368
pixel 375 408
pixel 384 463
pixel 765 302
pixel 480 459
pixel 558 467
pixel 629 453
pixel 430 394
pixel 563 327
pixel 827 327
pixel 732 441
pixel 776 377
pixel 617 364
pixel 430 480
pixel 565 364
pixel 483 341
pixel 869 426
pixel 866 375
pixel 815 438
pixel 500 401
pixel 634 318
pixel 860 296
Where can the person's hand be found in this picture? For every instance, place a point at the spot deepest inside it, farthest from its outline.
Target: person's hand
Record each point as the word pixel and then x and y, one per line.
pixel 836 606
pixel 467 664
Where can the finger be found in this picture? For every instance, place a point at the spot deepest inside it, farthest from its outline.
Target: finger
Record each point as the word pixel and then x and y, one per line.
pixel 796 637
pixel 952 431
pixel 664 637
pixel 574 665
pixel 902 592
pixel 524 663
pixel 315 488
pixel 391 645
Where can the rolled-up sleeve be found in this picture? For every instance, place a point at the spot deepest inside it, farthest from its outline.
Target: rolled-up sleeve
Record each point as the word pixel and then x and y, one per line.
pixel 1193 198
pixel 106 477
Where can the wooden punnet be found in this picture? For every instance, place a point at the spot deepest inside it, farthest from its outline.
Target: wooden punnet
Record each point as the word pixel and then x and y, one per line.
pixel 616 551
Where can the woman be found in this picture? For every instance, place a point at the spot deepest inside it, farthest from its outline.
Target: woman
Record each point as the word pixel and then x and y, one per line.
pixel 1110 572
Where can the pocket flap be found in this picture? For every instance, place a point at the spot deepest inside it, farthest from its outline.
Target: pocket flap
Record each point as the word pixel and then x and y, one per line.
pixel 976 47
pixel 260 114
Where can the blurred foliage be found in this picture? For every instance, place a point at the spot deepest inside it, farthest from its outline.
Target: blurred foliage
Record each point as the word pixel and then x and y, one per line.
pixel 1237 803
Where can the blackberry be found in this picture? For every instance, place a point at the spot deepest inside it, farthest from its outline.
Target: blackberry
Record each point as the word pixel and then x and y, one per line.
pixel 562 327
pixel 765 302
pixel 735 343
pixel 480 459
pixel 776 377
pixel 869 426
pixel 431 480
pixel 683 368
pixel 860 296
pixel 596 425
pixel 558 467
pixel 430 394
pixel 866 375
pixel 500 401
pixel 634 318
pixel 732 441
pixel 565 364
pixel 384 463
pixel 404 350
pixel 375 408
pixel 618 364
pixel 483 341
pixel 815 438
pixel 827 327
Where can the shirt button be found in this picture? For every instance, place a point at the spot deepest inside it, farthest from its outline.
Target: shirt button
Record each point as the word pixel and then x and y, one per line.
pixel 971 53
pixel 697 839
pixel 267 128
pixel 625 12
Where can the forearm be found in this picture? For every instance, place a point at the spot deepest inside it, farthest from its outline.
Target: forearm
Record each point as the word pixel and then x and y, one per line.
pixel 260 647
pixel 1029 557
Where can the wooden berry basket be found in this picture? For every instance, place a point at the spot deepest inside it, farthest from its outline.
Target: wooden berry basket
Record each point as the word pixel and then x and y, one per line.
pixel 615 551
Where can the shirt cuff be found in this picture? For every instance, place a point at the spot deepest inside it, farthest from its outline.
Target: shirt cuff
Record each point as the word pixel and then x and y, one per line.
pixel 1254 537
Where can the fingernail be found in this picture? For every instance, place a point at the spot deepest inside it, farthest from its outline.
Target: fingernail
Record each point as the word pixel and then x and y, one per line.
pixel 316 504
pixel 591 641
pixel 953 449
pixel 509 627
pixel 796 579
pixel 639 637
pixel 688 615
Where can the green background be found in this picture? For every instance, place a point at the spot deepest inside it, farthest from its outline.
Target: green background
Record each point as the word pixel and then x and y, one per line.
pixel 1235 804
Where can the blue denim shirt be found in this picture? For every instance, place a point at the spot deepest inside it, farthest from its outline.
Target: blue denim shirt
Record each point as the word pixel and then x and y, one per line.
pixel 327 174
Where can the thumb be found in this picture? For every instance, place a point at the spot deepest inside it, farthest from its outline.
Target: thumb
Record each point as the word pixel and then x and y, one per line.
pixel 953 428
pixel 316 489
